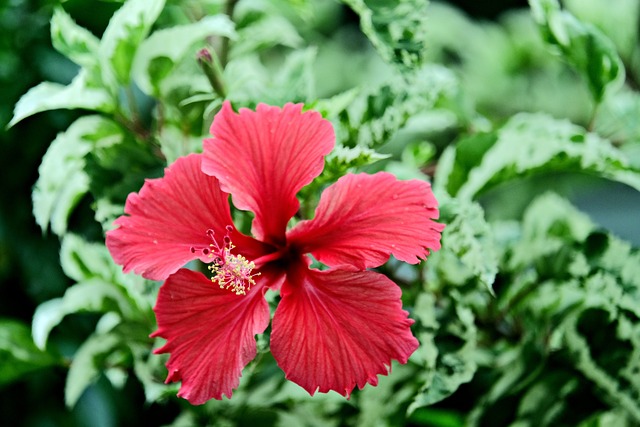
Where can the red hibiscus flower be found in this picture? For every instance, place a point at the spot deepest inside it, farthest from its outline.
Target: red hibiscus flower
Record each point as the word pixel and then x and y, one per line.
pixel 333 329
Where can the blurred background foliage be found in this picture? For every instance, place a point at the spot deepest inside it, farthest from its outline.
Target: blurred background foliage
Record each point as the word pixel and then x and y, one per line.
pixel 526 117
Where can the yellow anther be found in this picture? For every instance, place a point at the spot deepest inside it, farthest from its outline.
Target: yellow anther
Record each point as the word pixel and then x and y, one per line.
pixel 233 272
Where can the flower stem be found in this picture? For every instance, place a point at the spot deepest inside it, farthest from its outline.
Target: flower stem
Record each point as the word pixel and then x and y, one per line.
pixel 224 47
pixel 212 69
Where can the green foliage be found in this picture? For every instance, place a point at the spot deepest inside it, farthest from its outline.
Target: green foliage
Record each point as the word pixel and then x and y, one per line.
pixel 581 44
pixel 104 65
pixel 163 50
pixel 18 354
pixel 87 363
pixel 51 96
pixel 617 21
pixel 62 181
pixel 294 81
pixel 81 260
pixel 364 121
pixel 505 67
pixel 117 165
pixel 87 90
pixel 99 289
pixel 569 299
pixel 460 278
pixel 448 335
pixel 469 250
pixel 518 318
pixel 528 144
pixel 127 28
pixel 121 336
pixel 398 31
pixel 617 120
pixel 375 116
pixel 73 41
pixel 90 296
pixel 414 157
pixel 261 27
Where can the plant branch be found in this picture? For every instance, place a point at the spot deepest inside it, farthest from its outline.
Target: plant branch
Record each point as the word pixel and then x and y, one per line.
pixel 212 70
pixel 224 46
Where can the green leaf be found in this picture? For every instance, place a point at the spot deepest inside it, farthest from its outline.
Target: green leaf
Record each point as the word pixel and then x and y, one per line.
pixel 343 159
pixel 52 96
pixel 418 154
pixel 528 144
pixel 617 118
pixel 374 117
pixel 250 82
pixel 364 120
pixel 468 246
pixel 106 212
pixel 619 22
pixel 570 297
pixel 88 363
pixel 295 80
pixel 549 224
pixel 505 66
pixel 73 41
pixel 624 390
pixel 387 399
pixel 546 399
pixel 448 337
pixel 515 370
pixel 93 295
pixel 397 30
pixel 268 31
pixel 436 417
pixel 117 165
pixel 175 142
pixel 320 412
pixel 615 417
pixel 62 181
pixel 126 30
pixel 81 260
pixel 88 261
pixel 337 104
pixel 581 44
pixel 159 54
pixel 151 371
pixel 618 258
pixel 18 353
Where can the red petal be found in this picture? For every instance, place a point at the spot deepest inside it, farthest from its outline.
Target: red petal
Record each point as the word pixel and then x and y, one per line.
pixel 271 276
pixel 264 158
pixel 210 333
pixel 336 329
pixel 168 217
pixel 362 219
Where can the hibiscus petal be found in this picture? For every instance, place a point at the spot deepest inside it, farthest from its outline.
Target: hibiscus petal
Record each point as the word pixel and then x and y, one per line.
pixel 362 219
pixel 169 217
pixel 264 158
pixel 210 333
pixel 336 329
pixel 271 276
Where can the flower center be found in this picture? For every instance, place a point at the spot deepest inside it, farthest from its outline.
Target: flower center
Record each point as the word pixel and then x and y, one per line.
pixel 229 271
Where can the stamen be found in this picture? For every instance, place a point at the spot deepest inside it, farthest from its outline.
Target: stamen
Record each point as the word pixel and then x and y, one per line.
pixel 213 248
pixel 230 271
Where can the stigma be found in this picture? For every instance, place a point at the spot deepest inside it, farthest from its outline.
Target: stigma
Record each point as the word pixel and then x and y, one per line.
pixel 230 271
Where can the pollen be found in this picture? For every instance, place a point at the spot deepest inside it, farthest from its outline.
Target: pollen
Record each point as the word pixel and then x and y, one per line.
pixel 230 271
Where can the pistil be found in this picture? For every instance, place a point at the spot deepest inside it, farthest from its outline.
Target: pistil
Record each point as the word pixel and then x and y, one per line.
pixel 230 271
